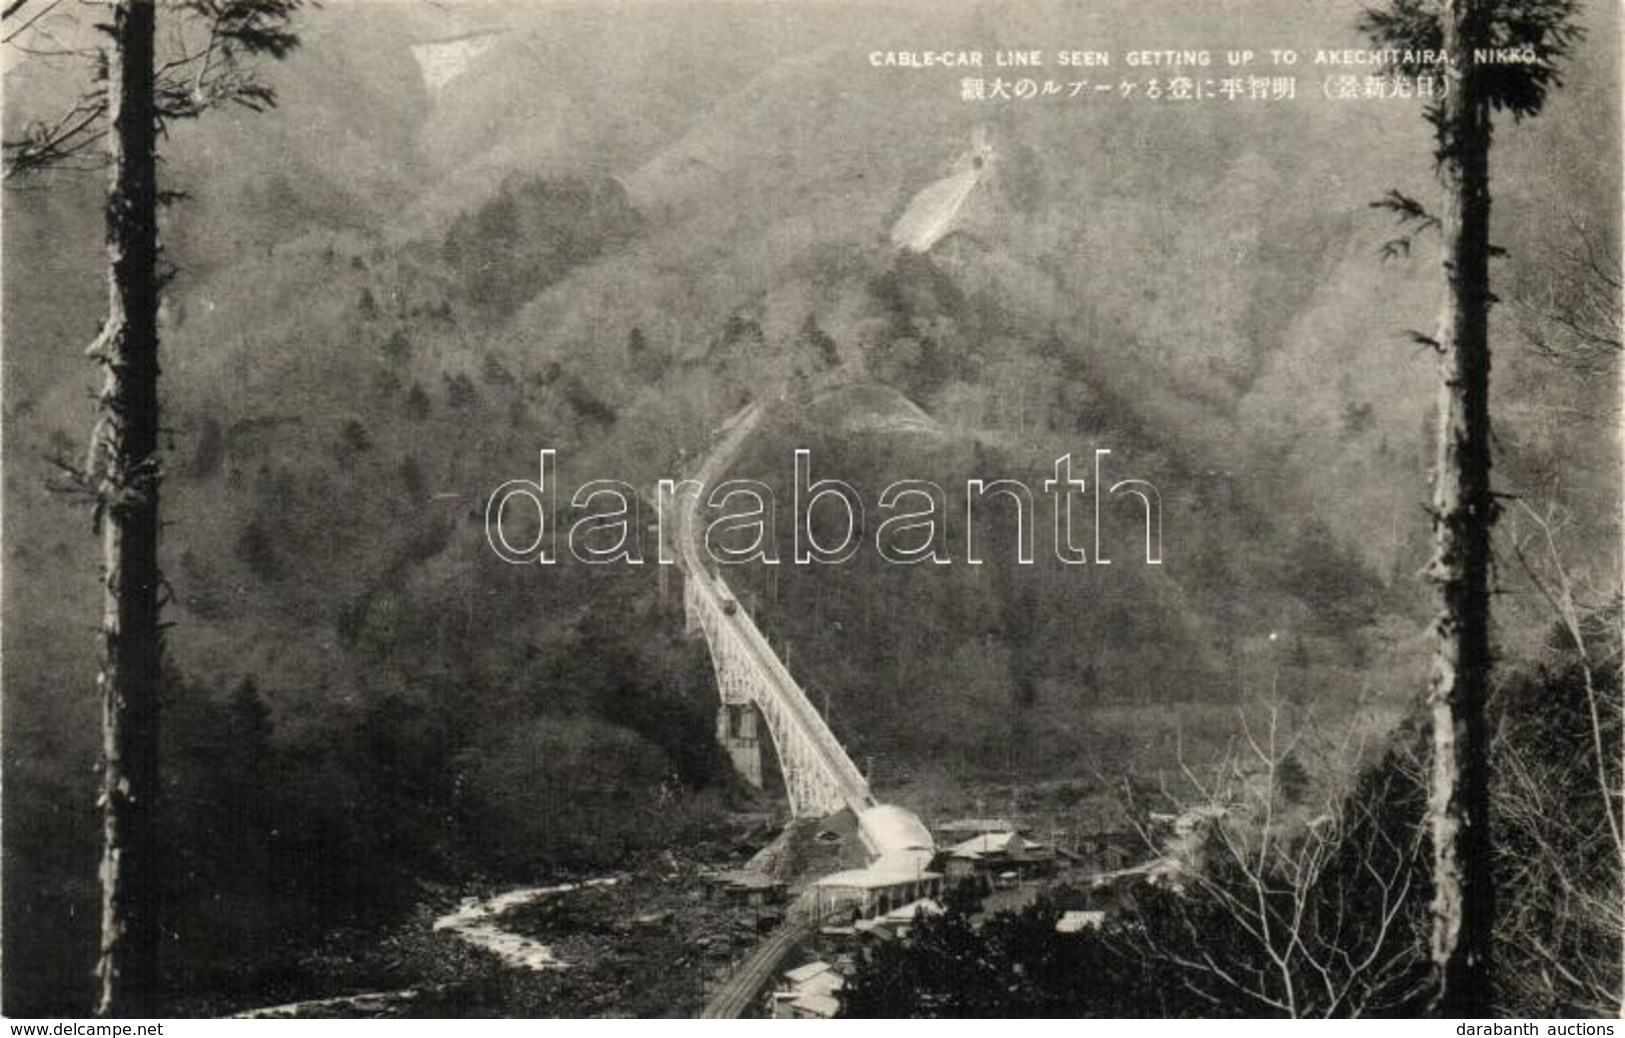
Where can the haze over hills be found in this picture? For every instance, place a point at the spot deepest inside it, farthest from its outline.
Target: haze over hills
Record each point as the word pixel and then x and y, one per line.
pixel 602 235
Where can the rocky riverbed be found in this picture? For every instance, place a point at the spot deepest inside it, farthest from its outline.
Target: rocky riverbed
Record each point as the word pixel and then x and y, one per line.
pixel 649 941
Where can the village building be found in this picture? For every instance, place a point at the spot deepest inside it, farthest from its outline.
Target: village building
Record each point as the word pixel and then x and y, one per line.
pixel 853 894
pixel 1104 837
pixel 961 829
pixel 899 922
pixel 1080 921
pixel 745 887
pixel 808 992
pixel 1001 856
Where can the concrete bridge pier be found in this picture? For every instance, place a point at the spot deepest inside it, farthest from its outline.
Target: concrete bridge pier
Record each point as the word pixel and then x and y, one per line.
pixel 737 727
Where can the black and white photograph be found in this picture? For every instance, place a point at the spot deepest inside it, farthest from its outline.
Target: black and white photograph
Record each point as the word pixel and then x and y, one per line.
pixel 811 509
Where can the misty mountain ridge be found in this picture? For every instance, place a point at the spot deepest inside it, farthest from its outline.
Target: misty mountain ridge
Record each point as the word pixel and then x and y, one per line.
pixel 1169 304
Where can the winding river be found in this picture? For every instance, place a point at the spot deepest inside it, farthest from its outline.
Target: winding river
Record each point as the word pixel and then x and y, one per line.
pixel 478 922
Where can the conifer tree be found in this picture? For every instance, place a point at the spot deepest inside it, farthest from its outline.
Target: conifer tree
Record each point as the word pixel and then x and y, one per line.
pixel 1475 39
pixel 136 91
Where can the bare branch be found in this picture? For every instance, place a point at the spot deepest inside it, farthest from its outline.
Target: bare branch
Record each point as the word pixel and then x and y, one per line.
pixel 12 34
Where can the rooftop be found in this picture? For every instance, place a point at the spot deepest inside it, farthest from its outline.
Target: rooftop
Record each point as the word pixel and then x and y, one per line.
pixel 1077 922
pixel 875 878
pixel 886 828
pixel 818 1005
pixel 974 826
pixel 805 972
pixel 744 878
pixel 993 844
pixel 912 910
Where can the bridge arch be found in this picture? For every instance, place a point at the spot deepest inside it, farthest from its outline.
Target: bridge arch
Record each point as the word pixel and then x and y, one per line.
pixel 819 777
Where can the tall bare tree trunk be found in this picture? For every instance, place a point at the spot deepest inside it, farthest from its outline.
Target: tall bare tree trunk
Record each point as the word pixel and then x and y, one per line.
pixel 124 463
pixel 1464 511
